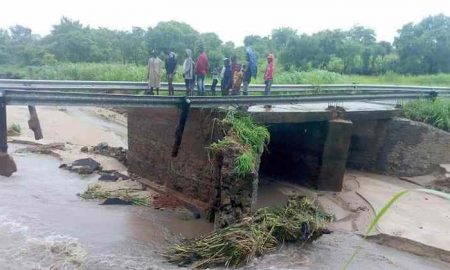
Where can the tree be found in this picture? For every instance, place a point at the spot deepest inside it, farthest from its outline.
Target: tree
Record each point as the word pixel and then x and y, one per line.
pixel 281 37
pixel 424 47
pixel 173 35
pixel 70 41
pixel 5 40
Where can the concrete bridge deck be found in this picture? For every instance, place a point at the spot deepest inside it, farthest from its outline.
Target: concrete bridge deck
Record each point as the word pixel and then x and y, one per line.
pixel 308 112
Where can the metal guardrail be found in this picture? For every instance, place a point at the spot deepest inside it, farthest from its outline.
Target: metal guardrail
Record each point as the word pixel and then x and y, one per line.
pixel 126 86
pixel 67 93
pixel 21 97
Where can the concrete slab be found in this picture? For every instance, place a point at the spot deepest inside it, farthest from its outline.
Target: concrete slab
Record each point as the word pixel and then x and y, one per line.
pixel 419 217
pixel 298 113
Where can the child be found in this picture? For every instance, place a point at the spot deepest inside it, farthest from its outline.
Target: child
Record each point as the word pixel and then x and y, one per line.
pixel 226 77
pixel 215 76
pixel 268 75
pixel 237 81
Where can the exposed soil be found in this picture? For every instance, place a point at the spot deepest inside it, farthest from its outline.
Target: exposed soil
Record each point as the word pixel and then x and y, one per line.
pixel 166 201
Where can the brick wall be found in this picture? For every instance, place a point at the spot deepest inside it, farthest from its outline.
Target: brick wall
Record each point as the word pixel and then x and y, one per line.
pixel 151 134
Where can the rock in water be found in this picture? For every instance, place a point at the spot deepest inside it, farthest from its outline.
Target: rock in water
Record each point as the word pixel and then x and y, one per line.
pixel 83 166
pixel 108 177
pixel 7 165
pixel 112 176
pixel 115 201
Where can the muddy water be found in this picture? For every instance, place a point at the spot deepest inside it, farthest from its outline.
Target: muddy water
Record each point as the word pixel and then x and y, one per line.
pixel 44 225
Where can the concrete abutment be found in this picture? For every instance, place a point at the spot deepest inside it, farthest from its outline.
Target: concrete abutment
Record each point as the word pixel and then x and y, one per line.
pixel 311 153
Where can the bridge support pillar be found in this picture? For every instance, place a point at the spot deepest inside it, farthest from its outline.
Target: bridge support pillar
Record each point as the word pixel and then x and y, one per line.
pixel 7 164
pixel 334 156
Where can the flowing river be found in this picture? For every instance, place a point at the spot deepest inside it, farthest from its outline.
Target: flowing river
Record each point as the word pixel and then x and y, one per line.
pixel 45 225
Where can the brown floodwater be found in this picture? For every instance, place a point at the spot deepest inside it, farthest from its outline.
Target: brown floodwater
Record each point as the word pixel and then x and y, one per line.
pixel 45 225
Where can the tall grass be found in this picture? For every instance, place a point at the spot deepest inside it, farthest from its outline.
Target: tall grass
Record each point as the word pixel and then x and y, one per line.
pixel 251 138
pixel 130 72
pixel 435 113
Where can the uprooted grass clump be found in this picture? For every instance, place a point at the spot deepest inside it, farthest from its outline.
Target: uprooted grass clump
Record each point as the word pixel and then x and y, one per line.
pixel 98 191
pixel 242 131
pixel 14 130
pixel 261 233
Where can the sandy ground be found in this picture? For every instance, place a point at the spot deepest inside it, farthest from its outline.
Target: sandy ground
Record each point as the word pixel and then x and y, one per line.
pixel 75 127
pixel 419 223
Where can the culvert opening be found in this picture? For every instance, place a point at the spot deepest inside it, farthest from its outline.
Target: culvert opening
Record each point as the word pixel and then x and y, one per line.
pixel 294 153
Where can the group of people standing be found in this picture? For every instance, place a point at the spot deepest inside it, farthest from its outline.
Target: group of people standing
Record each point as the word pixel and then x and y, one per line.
pixel 232 75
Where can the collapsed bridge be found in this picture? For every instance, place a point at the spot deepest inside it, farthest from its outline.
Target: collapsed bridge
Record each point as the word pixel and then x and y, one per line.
pixel 316 132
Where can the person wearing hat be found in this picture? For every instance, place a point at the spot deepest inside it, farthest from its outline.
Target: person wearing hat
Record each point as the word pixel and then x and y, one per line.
pixel 188 72
pixel 201 69
pixel 251 69
pixel 155 66
pixel 268 75
pixel 171 66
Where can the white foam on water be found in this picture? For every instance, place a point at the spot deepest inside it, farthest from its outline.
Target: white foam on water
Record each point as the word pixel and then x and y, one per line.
pixel 11 225
pixel 20 249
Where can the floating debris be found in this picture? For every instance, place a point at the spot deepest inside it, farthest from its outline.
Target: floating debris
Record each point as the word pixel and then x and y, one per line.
pixel 259 234
pixel 104 149
pixel 82 166
pixel 44 149
pixel 14 130
pixel 129 191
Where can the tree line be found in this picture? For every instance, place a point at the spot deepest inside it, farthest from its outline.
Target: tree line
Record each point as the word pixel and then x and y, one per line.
pixel 421 48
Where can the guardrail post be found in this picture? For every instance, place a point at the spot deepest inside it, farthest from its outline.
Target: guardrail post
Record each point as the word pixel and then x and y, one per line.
pixel 180 128
pixel 433 95
pixel 3 125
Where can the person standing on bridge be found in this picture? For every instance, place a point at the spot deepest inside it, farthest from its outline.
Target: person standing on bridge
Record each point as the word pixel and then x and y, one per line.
pixel 268 75
pixel 171 66
pixel 201 69
pixel 237 81
pixel 155 66
pixel 226 77
pixel 251 70
pixel 188 72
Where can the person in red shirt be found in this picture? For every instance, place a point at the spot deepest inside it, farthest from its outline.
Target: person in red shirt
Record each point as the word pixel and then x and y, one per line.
pixel 268 75
pixel 201 69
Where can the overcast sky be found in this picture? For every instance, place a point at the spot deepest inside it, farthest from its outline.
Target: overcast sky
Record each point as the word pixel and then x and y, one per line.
pixel 230 19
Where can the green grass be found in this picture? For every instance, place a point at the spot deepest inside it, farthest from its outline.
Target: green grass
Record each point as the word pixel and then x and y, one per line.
pixel 262 233
pixel 14 130
pixel 130 72
pixel 435 113
pixel 250 137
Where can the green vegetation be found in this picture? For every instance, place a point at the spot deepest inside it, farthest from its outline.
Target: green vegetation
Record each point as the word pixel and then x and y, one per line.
pixel 433 112
pixel 262 233
pixel 422 48
pixel 245 134
pixel 14 130
pixel 131 72
pixel 102 192
pixel 394 199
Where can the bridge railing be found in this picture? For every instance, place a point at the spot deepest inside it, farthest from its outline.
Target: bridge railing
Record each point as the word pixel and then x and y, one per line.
pixel 32 97
pixel 128 86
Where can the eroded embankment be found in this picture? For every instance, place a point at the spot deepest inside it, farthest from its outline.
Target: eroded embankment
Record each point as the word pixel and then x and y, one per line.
pixel 74 150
